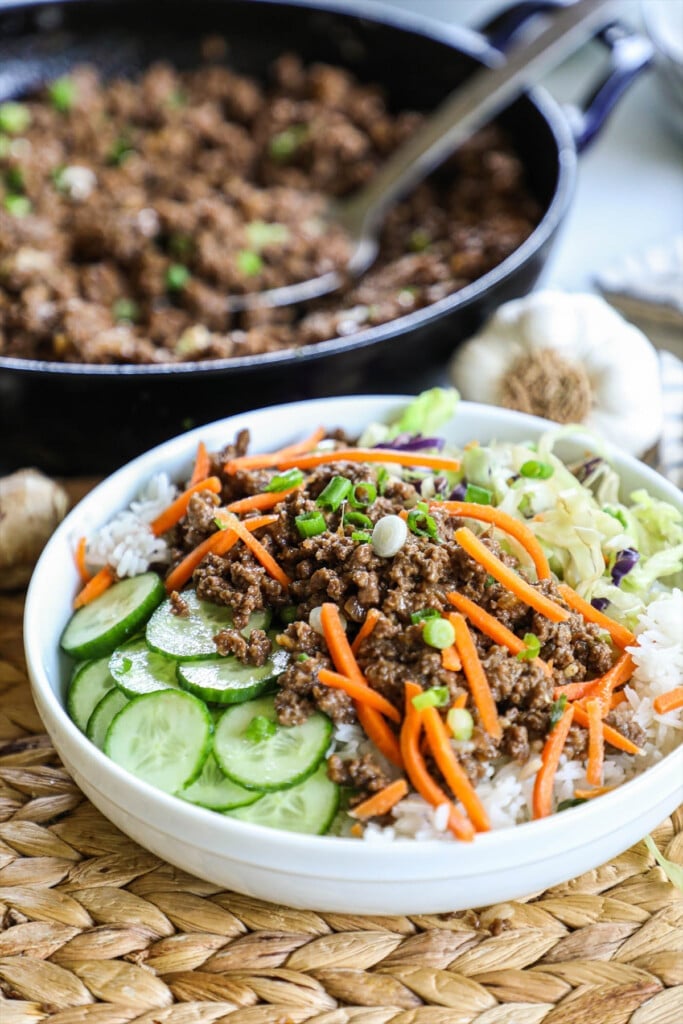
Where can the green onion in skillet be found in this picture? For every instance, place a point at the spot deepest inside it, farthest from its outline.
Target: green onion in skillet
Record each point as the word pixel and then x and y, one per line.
pixel 14 117
pixel 438 633
pixel 336 491
pixel 310 524
pixel 478 495
pixel 435 697
pixel 283 481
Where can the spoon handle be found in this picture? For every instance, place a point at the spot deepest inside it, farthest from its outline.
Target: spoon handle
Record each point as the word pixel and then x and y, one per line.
pixel 472 104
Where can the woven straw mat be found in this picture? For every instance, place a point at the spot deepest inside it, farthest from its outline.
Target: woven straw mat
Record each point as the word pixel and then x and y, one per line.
pixel 95 930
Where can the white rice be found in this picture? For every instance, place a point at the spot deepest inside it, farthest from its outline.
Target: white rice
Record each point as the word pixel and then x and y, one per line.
pixel 126 542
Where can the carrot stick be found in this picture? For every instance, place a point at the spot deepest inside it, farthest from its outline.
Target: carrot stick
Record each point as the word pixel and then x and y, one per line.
pixel 416 769
pixel 452 770
pixel 512 580
pixel 476 677
pixel 377 730
pixel 545 777
pixel 218 543
pixel 177 509
pixel 588 794
pixel 460 701
pixel 381 802
pixel 596 742
pixel 491 627
pixel 621 636
pixel 360 692
pixel 366 629
pixel 611 735
pixel 670 701
pixel 273 458
pixel 202 465
pixel 504 522
pixel 256 547
pixel 382 455
pixel 260 502
pixel 617 698
pixel 602 687
pixel 95 586
pixel 450 659
pixel 79 558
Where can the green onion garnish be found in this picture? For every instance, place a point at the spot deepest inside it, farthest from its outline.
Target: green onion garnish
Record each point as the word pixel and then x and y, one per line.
pixel 357 519
pixel 285 144
pixel 419 240
pixel 532 646
pixel 260 728
pixel 616 513
pixel 424 615
pixel 489 581
pixel 334 493
pixel 461 723
pixel 14 176
pixel 478 495
pixel 362 536
pixel 422 524
pixel 18 206
pixel 288 613
pixel 302 657
pixel 535 470
pixel 126 664
pixel 557 710
pixel 120 151
pixel 435 697
pixel 126 310
pixel 14 117
pixel 180 245
pixel 62 93
pixel 310 524
pixel 438 633
pixel 382 479
pixel 362 495
pixel 564 805
pixel 283 481
pixel 260 234
pixel 249 262
pixel 177 277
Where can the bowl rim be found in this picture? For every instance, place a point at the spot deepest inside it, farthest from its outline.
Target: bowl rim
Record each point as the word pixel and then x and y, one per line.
pixel 445 858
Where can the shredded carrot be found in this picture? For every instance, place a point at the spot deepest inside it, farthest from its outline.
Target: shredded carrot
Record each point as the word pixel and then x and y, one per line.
pixel 588 794
pixel 670 701
pixel 177 509
pixel 218 543
pixel 617 698
pixel 512 580
pixel 260 502
pixel 371 455
pixel 381 802
pixel 202 465
pixel 450 659
pixel 366 629
pixel 476 677
pixel 95 586
pixel 270 459
pixel 451 769
pixel 504 522
pixel 545 778
pixel 360 692
pixel 596 742
pixel 491 627
pixel 416 769
pixel 79 558
pixel 621 636
pixel 602 687
pixel 256 547
pixel 460 701
pixel 381 734
pixel 611 735
pixel 357 830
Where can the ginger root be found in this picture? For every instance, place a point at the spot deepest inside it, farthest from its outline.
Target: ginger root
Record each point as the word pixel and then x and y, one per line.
pixel 31 507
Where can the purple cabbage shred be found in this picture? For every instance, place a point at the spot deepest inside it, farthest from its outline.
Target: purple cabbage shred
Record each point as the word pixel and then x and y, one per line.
pixel 600 603
pixel 458 493
pixel 412 443
pixel 583 471
pixel 625 561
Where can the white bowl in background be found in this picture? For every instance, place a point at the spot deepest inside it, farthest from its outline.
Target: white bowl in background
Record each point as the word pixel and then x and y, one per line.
pixel 319 872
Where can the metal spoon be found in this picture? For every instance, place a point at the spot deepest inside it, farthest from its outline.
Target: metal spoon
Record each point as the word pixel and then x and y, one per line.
pixel 482 96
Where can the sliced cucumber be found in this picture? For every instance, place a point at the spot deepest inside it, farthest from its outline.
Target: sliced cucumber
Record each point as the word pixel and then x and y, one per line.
pixel 272 757
pixel 228 680
pixel 138 670
pixel 189 637
pixel 216 791
pixel 97 628
pixel 102 716
pixel 310 806
pixel 163 738
pixel 89 683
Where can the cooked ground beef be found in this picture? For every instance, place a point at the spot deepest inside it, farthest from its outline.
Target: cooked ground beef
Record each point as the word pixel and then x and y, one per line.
pixel 361 773
pixel 252 650
pixel 130 209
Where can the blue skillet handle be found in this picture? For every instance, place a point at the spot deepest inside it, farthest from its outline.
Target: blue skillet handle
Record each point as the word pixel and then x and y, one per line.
pixel 629 52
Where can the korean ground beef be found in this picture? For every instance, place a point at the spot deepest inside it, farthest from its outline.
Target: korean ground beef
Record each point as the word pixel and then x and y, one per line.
pixel 129 210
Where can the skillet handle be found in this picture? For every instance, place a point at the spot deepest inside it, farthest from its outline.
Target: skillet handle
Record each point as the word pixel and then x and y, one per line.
pixel 629 53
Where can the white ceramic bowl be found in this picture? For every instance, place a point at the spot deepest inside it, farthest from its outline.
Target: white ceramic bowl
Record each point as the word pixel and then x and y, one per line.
pixel 325 873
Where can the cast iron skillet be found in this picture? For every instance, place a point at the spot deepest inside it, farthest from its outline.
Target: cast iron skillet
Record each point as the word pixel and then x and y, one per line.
pixel 76 419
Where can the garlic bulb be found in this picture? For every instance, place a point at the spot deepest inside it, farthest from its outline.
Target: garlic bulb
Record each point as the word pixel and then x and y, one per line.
pixel 569 358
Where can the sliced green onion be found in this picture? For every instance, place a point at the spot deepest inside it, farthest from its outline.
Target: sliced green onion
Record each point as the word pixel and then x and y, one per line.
pixel 303 657
pixel 489 581
pixel 422 524
pixel 438 633
pixel 14 117
pixel 362 536
pixel 260 728
pixel 564 805
pixel 14 176
pixel 126 664
pixel 310 524
pixel 177 277
pixel 357 519
pixel 283 481
pixel 18 206
pixel 126 310
pixel 260 234
pixel 62 93
pixel 532 646
pixel 249 262
pixel 334 493
pixel 288 613
pixel 120 151
pixel 424 614
pixel 285 144
pixel 616 513
pixel 478 495
pixel 382 479
pixel 535 470
pixel 362 495
pixel 435 697
pixel 461 723
pixel 419 240
pixel 557 710
pixel 180 245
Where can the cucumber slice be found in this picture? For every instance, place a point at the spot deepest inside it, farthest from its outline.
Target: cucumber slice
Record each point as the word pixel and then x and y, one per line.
pixel 216 791
pixel 138 670
pixel 163 738
pixel 97 628
pixel 89 683
pixel 228 680
pixel 310 806
pixel 281 758
pixel 189 637
pixel 102 716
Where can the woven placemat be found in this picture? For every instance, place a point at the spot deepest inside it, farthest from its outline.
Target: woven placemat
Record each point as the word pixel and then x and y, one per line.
pixel 95 929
